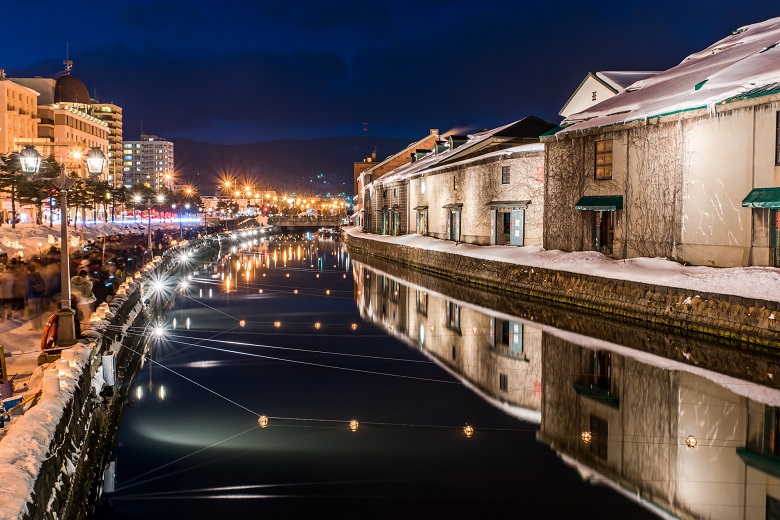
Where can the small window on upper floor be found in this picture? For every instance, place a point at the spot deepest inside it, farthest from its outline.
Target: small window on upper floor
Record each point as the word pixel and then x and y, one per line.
pixel 603 160
pixel 505 175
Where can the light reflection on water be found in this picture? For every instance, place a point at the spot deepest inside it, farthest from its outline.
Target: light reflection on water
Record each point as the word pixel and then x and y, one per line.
pixel 478 361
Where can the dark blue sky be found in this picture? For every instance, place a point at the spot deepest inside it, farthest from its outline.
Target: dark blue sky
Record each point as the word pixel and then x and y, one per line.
pixel 236 71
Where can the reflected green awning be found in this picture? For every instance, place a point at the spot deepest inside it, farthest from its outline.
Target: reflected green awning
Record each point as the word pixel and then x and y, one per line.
pixel 600 203
pixel 762 198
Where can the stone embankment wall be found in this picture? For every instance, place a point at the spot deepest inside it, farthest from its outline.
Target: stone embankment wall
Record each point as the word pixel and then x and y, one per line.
pixel 717 316
pixel 50 460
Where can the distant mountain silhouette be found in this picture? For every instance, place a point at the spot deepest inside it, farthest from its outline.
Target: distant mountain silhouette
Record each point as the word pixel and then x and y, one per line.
pixel 306 166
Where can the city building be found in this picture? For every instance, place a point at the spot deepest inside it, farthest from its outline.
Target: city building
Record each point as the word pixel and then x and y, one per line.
pixel 486 188
pixel 599 86
pixel 18 115
pixel 111 114
pixel 67 128
pixel 148 161
pixel 683 164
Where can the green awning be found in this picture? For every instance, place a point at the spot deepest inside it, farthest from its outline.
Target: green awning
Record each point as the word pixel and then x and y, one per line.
pixel 600 203
pixel 762 198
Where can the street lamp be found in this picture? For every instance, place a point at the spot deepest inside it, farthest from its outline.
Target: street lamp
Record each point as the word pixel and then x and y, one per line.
pixel 66 325
pixel 96 161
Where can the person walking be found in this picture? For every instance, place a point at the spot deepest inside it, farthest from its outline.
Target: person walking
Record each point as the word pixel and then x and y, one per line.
pixel 34 288
pixel 6 293
pixel 81 288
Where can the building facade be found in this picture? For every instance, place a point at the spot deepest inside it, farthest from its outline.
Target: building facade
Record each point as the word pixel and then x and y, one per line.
pixel 18 115
pixel 148 161
pixel 683 164
pixel 67 128
pixel 111 114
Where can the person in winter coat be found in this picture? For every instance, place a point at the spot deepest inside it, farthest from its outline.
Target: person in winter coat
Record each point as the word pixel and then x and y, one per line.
pixel 6 294
pixel 81 289
pixel 34 287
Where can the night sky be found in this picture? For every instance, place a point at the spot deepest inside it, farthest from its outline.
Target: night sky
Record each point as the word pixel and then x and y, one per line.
pixel 237 72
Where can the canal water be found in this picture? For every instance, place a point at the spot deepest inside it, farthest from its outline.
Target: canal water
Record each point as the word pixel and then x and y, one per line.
pixel 291 381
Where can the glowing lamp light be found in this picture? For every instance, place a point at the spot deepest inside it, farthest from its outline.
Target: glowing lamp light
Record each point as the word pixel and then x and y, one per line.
pixel 30 159
pixel 586 437
pixel 158 331
pixel 327 291
pixel 96 161
pixel 343 276
pixel 162 393
pixel 353 425
pixel 354 326
pixel 242 323
pixel 318 325
pixel 317 276
pixel 691 441
pixel 287 275
pixel 260 291
pixel 433 328
pixel 468 430
pixel 262 421
pixel 392 327
pixel 277 324
pixel 295 291
pixel 139 393
pixel 474 330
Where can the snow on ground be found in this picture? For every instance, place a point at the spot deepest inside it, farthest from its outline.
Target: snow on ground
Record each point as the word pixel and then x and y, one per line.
pixel 29 240
pixel 761 283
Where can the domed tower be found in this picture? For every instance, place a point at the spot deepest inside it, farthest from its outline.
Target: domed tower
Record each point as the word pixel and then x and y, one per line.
pixel 70 89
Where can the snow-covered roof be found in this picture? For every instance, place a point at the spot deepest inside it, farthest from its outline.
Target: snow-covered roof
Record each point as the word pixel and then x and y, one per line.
pixel 620 79
pixel 433 159
pixel 747 60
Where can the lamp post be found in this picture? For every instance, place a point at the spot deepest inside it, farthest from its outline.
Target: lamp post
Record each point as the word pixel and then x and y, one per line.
pixel 66 325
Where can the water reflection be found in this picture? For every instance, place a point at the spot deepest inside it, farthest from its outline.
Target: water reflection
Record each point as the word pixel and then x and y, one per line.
pixel 693 433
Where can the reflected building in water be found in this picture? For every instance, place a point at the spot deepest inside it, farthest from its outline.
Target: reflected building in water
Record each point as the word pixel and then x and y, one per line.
pixel 498 357
pixel 621 417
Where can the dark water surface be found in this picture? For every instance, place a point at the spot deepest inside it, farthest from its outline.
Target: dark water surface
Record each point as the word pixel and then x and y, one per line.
pixel 416 369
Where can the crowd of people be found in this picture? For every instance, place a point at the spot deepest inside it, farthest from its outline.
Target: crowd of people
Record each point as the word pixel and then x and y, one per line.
pixel 31 289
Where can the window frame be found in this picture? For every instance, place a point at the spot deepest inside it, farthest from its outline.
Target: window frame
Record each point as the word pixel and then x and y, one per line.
pixel 606 156
pixel 506 175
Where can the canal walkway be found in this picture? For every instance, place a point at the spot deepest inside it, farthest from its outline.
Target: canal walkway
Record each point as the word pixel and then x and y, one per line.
pixel 732 303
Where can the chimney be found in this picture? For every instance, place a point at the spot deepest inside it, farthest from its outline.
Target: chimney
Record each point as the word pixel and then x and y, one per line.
pixel 434 131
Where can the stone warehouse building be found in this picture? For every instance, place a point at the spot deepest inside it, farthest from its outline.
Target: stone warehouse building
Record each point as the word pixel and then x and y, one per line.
pixel 485 188
pixel 683 164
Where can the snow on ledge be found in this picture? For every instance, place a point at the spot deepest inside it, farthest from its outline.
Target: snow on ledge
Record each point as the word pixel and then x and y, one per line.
pixel 759 283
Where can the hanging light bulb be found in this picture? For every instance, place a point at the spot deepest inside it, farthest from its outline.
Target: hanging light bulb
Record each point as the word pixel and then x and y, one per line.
pixel 474 330
pixel 277 324
pixel 691 441
pixel 468 430
pixel 586 436
pixel 353 425
pixel 317 325
pixel 317 275
pixel 242 323
pixel 433 328
pixel 295 291
pixel 262 421
pixel 354 326
pixel 327 291
pixel 287 275
pixel 260 291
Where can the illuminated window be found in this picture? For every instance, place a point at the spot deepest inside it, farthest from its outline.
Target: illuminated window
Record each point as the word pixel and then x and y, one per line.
pixel 603 159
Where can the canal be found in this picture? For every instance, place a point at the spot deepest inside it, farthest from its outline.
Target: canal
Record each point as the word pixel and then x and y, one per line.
pixel 294 381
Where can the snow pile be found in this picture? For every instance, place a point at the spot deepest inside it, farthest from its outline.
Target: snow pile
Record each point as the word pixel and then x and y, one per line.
pixel 26 446
pixel 759 283
pixel 746 60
